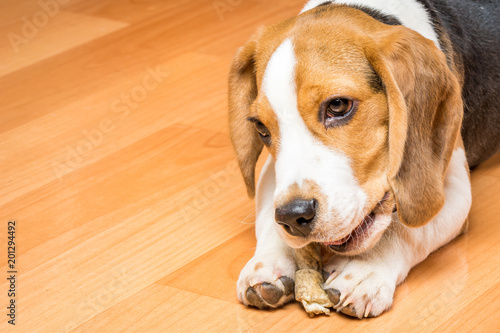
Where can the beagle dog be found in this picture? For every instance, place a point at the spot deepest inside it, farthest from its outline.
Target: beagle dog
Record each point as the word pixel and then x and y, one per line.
pixel 373 111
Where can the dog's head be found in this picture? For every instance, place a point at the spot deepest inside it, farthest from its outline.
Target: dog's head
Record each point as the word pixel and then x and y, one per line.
pixel 360 118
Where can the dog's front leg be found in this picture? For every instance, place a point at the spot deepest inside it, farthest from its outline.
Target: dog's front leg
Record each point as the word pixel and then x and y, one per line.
pixel 267 280
pixel 364 285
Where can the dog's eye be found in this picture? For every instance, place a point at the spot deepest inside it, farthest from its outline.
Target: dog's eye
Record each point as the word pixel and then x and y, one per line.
pixel 264 133
pixel 337 111
pixel 338 107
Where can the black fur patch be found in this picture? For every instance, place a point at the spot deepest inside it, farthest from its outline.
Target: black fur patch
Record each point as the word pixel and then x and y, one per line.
pixel 376 14
pixel 324 4
pixel 474 32
pixel 375 81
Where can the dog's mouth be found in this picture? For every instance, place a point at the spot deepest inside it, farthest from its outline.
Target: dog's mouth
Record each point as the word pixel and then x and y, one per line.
pixel 355 239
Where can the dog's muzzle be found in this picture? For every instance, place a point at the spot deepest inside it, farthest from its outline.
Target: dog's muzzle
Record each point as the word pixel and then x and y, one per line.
pixel 297 216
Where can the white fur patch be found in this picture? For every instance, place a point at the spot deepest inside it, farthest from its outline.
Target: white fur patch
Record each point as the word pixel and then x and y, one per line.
pixel 410 13
pixel 458 199
pixel 374 275
pixel 300 155
pixel 272 255
pixel 406 246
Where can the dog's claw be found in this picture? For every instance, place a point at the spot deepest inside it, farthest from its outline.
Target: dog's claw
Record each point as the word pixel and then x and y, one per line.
pixel 289 285
pixel 267 295
pixel 254 299
pixel 334 295
pixel 270 293
pixel 350 311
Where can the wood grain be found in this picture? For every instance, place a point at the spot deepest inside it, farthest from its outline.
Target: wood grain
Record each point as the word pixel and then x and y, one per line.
pixel 131 214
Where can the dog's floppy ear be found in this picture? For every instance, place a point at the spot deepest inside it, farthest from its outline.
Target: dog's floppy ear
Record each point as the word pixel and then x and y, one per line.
pixel 242 93
pixel 425 115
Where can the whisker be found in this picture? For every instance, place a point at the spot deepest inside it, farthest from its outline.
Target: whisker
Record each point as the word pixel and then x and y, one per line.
pixel 243 221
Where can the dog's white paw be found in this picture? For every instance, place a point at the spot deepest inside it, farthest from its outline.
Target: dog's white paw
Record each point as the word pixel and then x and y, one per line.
pixel 267 281
pixel 359 287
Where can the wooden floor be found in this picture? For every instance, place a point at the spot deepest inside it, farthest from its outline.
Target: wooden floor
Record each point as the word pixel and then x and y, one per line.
pixel 130 211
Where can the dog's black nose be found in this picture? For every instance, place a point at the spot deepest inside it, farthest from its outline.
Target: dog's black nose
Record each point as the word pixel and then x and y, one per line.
pixel 296 217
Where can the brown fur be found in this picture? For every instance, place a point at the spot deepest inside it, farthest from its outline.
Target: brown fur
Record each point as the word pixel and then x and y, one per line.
pixel 429 111
pixel 401 137
pixel 242 93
